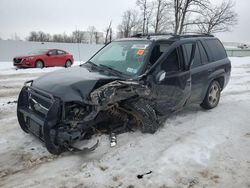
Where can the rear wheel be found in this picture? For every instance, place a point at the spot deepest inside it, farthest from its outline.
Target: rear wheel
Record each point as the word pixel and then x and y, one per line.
pixel 212 97
pixel 39 64
pixel 68 63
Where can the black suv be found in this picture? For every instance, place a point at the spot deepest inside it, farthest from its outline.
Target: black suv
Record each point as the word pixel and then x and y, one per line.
pixel 132 82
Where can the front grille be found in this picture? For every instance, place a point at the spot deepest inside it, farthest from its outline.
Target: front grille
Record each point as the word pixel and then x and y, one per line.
pixel 38 105
pixel 17 60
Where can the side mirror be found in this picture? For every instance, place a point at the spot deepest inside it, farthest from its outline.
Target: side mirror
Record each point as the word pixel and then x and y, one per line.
pixel 48 54
pixel 160 76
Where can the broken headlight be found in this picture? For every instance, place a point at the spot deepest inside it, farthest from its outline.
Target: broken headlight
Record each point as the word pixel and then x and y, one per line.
pixel 76 112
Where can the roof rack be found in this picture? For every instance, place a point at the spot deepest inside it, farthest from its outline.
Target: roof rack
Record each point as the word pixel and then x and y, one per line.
pixel 185 35
pixel 149 35
pixel 195 34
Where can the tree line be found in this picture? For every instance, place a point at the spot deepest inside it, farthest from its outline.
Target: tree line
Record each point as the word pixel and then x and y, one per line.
pixel 178 17
pixel 156 16
pixel 90 36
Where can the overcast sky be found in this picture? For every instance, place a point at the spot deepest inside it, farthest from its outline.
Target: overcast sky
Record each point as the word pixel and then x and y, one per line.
pixel 57 16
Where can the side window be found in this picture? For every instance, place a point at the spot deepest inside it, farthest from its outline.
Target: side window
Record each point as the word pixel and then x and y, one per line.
pixel 52 52
pixel 158 50
pixel 197 58
pixel 59 52
pixel 203 53
pixel 216 48
pixel 188 51
pixel 171 63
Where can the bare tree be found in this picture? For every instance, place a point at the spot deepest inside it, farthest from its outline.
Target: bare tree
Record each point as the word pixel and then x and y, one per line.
pixel 161 17
pixel 97 37
pixel 129 23
pixel 110 34
pixel 146 8
pixel 33 36
pixel 182 8
pixel 67 38
pixel 218 18
pixel 43 37
pixel 39 36
pixel 57 38
pixel 91 31
pixel 107 32
pixel 78 36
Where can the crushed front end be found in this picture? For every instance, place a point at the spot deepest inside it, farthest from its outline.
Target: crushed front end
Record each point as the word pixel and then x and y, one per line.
pixel 114 107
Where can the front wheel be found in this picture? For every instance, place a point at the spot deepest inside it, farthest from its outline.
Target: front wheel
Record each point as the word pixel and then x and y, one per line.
pixel 68 63
pixel 212 96
pixel 39 64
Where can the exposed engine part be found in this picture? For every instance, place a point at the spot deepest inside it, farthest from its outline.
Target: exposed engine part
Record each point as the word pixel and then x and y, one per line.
pixel 75 112
pixel 115 111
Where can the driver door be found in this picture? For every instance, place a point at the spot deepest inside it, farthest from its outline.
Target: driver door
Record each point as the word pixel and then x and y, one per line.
pixel 52 59
pixel 172 82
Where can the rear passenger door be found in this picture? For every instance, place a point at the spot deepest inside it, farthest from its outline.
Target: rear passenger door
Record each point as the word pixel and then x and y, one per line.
pixel 196 58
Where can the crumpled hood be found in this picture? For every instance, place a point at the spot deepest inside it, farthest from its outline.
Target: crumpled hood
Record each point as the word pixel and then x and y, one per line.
pixel 71 84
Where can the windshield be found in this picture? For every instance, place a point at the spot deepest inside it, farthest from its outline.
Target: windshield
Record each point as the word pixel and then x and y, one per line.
pixel 124 56
pixel 37 52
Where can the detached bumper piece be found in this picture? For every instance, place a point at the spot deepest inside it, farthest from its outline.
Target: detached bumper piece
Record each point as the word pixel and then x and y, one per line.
pixel 39 113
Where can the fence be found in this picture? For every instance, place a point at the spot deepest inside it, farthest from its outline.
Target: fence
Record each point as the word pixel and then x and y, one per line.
pixel 82 52
pixel 10 49
pixel 234 52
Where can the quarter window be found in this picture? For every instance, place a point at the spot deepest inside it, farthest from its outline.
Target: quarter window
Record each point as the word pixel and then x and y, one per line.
pixel 197 58
pixel 217 49
pixel 203 53
pixel 59 52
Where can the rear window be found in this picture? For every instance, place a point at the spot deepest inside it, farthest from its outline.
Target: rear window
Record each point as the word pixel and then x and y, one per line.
pixel 217 49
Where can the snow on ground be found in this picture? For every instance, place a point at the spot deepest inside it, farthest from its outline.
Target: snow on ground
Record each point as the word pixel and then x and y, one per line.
pixel 195 148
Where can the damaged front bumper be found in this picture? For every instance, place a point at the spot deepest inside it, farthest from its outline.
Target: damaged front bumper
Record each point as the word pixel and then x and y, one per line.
pixel 39 113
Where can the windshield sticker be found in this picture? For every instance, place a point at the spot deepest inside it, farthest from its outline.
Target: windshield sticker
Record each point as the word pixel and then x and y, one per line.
pixel 131 70
pixel 140 52
pixel 139 46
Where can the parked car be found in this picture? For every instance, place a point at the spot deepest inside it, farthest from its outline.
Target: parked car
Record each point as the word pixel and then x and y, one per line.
pixel 133 82
pixel 44 58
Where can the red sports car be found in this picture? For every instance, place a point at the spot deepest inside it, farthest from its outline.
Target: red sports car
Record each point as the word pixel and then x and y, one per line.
pixel 44 58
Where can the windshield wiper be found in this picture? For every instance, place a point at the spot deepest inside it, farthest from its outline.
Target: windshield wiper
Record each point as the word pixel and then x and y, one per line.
pixel 89 62
pixel 105 67
pixel 111 69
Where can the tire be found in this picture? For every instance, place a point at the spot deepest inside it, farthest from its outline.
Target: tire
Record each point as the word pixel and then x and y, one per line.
pixel 68 64
pixel 52 147
pixel 39 64
pixel 212 97
pixel 146 113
